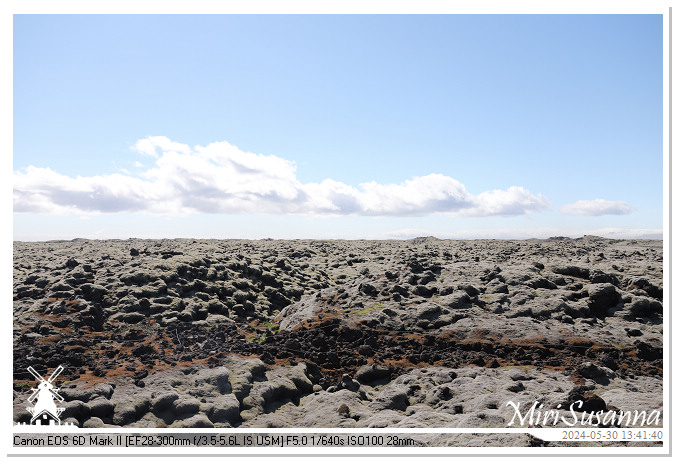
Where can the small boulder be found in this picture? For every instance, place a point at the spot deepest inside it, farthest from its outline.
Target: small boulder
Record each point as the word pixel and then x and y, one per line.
pixel 602 297
pixel 370 373
pixel 93 423
pixel 225 409
pixel 186 406
pixel 199 421
pixel 124 414
pixel 647 351
pixel 101 407
pixel 76 408
pixel 393 397
pixel 590 370
pixel 164 402
pixel 573 271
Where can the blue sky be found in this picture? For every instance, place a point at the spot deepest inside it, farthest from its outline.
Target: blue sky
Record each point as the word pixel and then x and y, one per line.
pixel 334 126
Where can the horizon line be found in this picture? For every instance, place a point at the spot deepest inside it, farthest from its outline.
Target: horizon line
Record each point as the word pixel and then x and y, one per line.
pixel 651 237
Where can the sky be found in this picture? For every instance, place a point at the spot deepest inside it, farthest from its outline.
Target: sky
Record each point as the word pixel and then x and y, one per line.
pixel 337 126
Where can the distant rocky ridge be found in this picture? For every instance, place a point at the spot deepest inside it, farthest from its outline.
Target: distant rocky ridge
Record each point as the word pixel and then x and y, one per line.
pixel 237 333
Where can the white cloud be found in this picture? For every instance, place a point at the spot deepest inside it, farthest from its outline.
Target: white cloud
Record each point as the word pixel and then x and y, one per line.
pixel 150 145
pixel 511 202
pixel 597 207
pixel 221 178
pixel 431 193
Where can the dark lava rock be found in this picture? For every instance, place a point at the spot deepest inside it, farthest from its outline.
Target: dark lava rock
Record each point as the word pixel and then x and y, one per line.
pixel 415 267
pixel 394 399
pixel 639 307
pixel 123 414
pixel 591 402
pixel 457 300
pixel 647 351
pixel 541 282
pixel 143 350
pixel 600 277
pixel 371 373
pixel 164 402
pixel 348 383
pixel 102 390
pixel 573 271
pixel 141 374
pixel 602 297
pixel 469 289
pixel 76 409
pixel 101 407
pixel 186 406
pixel 348 334
pixel 479 361
pixel 198 421
pixel 518 375
pixel 367 289
pixel 535 442
pixel 633 332
pixel 227 411
pixel 343 410
pixel 516 388
pixel 365 350
pixel 425 291
pixel 400 290
pixel 591 371
pixel 643 284
pixel 391 275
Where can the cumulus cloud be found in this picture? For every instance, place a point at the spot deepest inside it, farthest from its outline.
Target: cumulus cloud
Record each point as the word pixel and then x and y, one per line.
pixel 511 202
pixel 597 207
pixel 221 178
pixel 150 146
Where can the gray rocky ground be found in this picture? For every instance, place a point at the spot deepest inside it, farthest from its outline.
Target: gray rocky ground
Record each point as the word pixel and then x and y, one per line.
pixel 268 333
